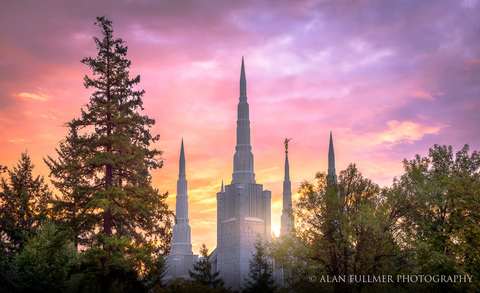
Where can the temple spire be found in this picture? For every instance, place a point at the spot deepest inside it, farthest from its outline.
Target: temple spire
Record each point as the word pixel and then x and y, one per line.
pixel 286 218
pixel 181 230
pixel 181 258
pixel 243 81
pixel 182 162
pixel 243 158
pixel 331 159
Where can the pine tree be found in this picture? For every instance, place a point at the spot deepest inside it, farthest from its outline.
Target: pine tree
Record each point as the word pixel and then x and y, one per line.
pixel 108 154
pixel 261 275
pixel 23 207
pixel 23 204
pixel 202 270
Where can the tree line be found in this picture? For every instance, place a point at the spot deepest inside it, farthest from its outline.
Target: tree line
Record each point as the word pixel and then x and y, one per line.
pixel 425 224
pixel 108 229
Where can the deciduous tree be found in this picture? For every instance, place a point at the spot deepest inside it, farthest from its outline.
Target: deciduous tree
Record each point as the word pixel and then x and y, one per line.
pixel 438 198
pixel 345 228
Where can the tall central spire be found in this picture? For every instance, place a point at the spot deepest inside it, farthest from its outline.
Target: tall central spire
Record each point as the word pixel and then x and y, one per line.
pixel 243 158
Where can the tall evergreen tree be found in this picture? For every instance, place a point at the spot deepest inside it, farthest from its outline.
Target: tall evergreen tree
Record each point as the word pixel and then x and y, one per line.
pixel 261 274
pixel 108 152
pixel 202 270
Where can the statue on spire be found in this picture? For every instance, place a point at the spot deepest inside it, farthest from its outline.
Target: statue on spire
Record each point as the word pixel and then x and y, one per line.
pixel 286 144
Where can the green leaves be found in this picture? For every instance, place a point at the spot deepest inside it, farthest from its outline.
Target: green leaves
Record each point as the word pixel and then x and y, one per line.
pixel 438 197
pixel 344 228
pixel 47 260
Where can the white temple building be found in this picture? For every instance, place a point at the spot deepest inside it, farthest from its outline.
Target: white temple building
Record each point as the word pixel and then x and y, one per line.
pixel 243 210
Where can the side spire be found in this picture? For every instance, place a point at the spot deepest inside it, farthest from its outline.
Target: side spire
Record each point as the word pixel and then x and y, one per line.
pixel 331 159
pixel 243 158
pixel 181 258
pixel 182 162
pixel 286 220
pixel 181 243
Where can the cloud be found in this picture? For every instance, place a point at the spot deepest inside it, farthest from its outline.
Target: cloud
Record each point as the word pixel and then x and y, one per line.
pixel 405 131
pixel 37 97
pixel 18 140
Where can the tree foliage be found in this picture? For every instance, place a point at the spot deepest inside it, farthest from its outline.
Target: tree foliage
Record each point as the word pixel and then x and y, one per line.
pixel 202 270
pixel 345 229
pixel 260 278
pixel 72 208
pixel 117 157
pixel 47 261
pixel 181 285
pixel 23 204
pixel 103 171
pixel 438 198
pixel 23 208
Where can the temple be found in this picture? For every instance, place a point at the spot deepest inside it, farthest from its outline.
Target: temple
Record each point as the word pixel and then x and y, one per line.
pixel 243 210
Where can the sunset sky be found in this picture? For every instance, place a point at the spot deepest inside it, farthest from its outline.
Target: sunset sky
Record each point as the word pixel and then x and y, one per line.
pixel 388 78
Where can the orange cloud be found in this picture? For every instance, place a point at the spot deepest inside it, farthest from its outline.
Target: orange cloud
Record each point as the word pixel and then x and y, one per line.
pixel 37 97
